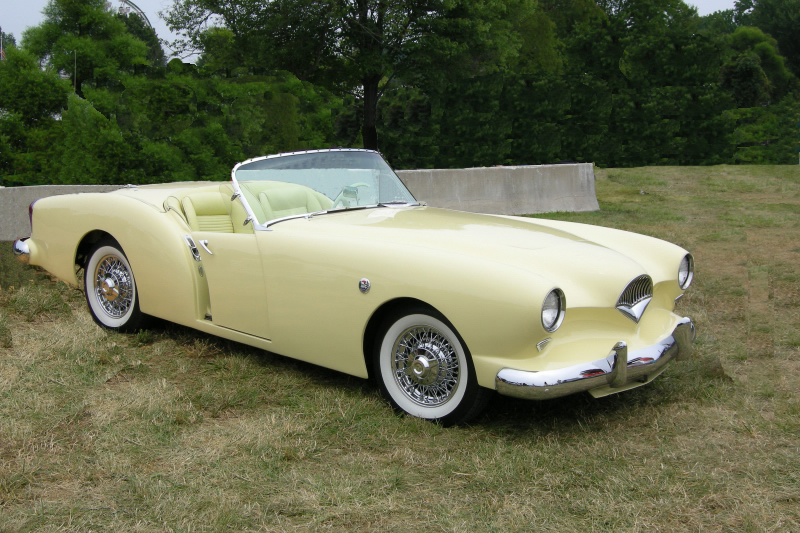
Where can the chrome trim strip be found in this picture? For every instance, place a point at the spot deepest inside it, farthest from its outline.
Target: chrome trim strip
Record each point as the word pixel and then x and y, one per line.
pixel 690 277
pixel 542 344
pixel 635 312
pixel 635 297
pixel 237 191
pixel 21 250
pixel 285 154
pixel 309 216
pixel 619 372
pixel 605 372
pixel 562 310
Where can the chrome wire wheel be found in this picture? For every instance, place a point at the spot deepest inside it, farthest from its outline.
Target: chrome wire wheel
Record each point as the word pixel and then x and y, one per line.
pixel 426 366
pixel 424 369
pixel 111 289
pixel 113 286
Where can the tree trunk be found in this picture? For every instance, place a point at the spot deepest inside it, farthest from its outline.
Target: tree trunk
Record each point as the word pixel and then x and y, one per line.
pixel 369 131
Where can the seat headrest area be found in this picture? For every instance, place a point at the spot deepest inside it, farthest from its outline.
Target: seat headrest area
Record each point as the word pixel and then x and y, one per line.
pixel 208 211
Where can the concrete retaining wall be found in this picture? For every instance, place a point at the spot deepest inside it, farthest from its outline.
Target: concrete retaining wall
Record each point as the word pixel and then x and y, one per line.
pixel 507 190
pixel 14 202
pixel 497 190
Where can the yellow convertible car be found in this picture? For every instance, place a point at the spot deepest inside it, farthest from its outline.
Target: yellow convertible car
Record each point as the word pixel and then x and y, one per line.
pixel 326 257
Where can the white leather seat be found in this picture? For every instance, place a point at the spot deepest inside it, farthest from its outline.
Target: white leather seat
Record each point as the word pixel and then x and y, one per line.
pixel 287 201
pixel 208 211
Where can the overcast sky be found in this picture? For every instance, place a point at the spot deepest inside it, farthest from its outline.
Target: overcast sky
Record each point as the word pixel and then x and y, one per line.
pixel 17 15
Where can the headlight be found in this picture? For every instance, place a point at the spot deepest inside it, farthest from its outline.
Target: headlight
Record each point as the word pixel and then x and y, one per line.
pixel 686 271
pixel 553 310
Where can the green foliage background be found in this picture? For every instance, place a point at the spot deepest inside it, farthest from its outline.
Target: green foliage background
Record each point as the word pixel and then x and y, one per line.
pixel 89 97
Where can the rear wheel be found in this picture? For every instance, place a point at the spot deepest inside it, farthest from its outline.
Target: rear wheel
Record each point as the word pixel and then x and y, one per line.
pixel 424 369
pixel 111 289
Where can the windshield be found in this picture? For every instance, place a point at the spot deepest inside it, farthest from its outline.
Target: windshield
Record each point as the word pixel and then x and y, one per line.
pixel 296 184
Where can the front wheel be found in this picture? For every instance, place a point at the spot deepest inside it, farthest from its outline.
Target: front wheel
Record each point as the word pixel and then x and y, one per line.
pixel 424 369
pixel 111 289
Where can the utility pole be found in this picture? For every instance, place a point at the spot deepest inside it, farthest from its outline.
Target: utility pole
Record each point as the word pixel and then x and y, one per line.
pixel 75 74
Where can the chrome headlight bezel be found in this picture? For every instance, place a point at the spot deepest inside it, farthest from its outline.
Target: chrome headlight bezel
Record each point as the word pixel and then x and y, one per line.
pixel 553 301
pixel 686 271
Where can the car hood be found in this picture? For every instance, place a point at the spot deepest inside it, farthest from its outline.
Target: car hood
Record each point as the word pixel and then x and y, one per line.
pixel 566 260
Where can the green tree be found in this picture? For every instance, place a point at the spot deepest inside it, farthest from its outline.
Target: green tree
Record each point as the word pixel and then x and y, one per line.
pixel 746 80
pixel 91 149
pixel 35 95
pixel 8 39
pixel 719 22
pixel 83 39
pixel 219 52
pixel 662 75
pixel 360 47
pixel 756 73
pixel 342 43
pixel 30 100
pixel 137 27
pixel 193 126
pixel 778 18
pixel 449 106
pixel 569 15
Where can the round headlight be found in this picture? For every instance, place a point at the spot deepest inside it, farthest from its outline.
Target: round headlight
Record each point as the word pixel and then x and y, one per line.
pixel 553 310
pixel 686 271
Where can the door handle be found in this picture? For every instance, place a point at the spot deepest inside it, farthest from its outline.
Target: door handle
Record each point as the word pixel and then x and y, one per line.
pixel 204 244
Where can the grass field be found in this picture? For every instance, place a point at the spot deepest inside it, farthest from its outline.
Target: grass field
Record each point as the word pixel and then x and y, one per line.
pixel 173 430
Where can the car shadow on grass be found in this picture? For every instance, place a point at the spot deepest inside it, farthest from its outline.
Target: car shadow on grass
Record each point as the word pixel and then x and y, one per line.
pixel 694 381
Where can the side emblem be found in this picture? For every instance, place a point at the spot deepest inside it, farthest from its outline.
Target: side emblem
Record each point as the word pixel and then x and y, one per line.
pixel 364 285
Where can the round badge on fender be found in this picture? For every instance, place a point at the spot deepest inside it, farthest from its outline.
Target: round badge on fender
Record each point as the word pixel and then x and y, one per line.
pixel 364 285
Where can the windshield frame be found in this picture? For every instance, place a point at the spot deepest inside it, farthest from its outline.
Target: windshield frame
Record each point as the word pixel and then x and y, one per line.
pixel 266 225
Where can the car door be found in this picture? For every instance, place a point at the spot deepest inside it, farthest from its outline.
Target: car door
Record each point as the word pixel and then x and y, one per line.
pixel 232 267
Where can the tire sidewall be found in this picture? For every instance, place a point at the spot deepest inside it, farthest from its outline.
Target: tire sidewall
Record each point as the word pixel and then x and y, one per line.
pixel 385 373
pixel 126 321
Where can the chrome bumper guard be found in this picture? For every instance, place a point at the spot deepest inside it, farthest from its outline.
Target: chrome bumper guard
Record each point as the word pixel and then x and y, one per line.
pixel 617 372
pixel 21 250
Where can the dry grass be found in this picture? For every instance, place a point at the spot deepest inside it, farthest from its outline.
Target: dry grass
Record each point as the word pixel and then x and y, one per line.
pixel 173 430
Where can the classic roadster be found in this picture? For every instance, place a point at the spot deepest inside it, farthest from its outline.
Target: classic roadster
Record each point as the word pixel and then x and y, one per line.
pixel 325 256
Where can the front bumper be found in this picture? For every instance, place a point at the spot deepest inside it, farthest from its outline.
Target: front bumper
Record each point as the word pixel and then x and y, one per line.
pixel 617 372
pixel 22 251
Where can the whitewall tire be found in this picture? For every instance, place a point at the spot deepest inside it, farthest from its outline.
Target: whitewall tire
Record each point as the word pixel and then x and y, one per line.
pixel 111 288
pixel 424 369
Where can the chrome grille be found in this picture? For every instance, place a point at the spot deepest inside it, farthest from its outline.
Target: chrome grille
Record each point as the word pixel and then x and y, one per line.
pixel 638 290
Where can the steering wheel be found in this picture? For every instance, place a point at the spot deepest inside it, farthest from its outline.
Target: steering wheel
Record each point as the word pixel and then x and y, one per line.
pixel 348 196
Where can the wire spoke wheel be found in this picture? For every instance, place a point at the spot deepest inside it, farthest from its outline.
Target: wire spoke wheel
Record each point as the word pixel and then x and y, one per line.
pixel 424 369
pixel 111 288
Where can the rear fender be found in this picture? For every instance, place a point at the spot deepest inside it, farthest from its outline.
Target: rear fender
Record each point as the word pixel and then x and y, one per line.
pixel 152 241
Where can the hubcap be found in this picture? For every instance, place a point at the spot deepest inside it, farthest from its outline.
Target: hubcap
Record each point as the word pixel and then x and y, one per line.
pixel 425 366
pixel 113 286
pixel 109 290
